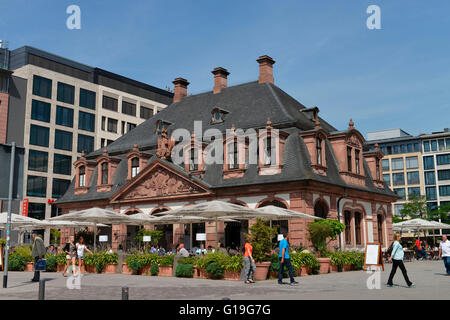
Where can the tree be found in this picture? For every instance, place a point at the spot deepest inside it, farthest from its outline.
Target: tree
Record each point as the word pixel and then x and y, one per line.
pixel 262 235
pixel 416 207
pixel 443 213
pixel 320 230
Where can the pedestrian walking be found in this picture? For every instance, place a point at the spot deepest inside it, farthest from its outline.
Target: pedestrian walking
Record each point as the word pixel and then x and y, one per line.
pixel 397 262
pixel 418 249
pixel 37 252
pixel 444 253
pixel 81 247
pixel 285 260
pixel 249 262
pixel 71 254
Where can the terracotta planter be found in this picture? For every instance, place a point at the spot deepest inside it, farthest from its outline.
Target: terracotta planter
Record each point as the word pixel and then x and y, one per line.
pixel 60 267
pixel 274 274
pixel 126 270
pixel 145 270
pixel 347 267
pixel 196 273
pixel 304 271
pixel 29 267
pixel 90 269
pixel 110 268
pixel 232 275
pixel 262 269
pixel 165 271
pixel 202 273
pixel 334 268
pixel 324 265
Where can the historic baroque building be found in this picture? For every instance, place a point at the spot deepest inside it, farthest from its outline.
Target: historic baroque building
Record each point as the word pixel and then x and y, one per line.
pixel 312 167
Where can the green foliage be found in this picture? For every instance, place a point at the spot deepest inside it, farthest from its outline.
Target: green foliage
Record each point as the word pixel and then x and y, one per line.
pixel 202 262
pixel 339 258
pixel 215 270
pixel 441 213
pixel 234 263
pixel 51 263
pixel 303 258
pixel 167 260
pixel 155 234
pixel 55 236
pixel 356 259
pixel 100 260
pixel 188 260
pixel 61 258
pixel 184 271
pixel 262 236
pixel 16 262
pixel 139 260
pixel 2 243
pixel 320 230
pixel 416 207
pixel 24 252
pixel 154 269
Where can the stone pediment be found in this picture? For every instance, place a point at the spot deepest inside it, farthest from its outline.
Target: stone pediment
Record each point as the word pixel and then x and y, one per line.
pixel 160 181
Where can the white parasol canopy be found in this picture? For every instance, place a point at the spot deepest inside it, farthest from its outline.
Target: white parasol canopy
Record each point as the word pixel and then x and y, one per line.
pixel 282 213
pixel 95 215
pixel 17 220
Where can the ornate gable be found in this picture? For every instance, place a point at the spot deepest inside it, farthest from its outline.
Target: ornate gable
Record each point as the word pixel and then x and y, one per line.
pixel 160 181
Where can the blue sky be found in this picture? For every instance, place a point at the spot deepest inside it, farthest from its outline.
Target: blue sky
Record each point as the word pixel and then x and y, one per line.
pixel 398 76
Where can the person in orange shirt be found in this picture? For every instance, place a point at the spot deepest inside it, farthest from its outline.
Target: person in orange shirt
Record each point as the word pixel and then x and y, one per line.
pixel 418 249
pixel 249 262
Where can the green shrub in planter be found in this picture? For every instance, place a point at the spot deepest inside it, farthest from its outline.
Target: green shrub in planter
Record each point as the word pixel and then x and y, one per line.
pixel 61 259
pixel 188 260
pixel 234 263
pixel 154 269
pixel 149 259
pixel 24 252
pixel 2 243
pixel 167 260
pixel 215 270
pixel 339 258
pixel 303 258
pixel 51 263
pixel 262 236
pixel 184 271
pixel 16 262
pixel 219 257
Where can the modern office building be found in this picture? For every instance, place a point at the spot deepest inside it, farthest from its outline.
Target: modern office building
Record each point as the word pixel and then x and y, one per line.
pixel 415 165
pixel 59 108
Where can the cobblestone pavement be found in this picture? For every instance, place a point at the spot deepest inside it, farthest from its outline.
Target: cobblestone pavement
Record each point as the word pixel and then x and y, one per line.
pixel 429 276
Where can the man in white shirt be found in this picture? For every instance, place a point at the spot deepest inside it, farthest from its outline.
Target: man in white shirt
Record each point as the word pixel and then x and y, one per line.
pixel 182 251
pixel 444 253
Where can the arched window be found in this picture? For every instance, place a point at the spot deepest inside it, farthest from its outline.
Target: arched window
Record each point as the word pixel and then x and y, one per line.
pixel 104 173
pixel 321 209
pixel 319 150
pixel 348 227
pixel 233 155
pixel 82 176
pixel 358 220
pixel 134 167
pixel 349 159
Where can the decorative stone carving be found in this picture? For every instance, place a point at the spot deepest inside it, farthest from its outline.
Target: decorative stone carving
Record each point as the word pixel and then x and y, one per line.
pixel 162 183
pixel 165 146
pixel 353 140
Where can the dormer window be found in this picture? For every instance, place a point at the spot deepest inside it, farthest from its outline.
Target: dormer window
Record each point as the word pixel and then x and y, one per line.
pixel 357 163
pixel 82 176
pixel 218 115
pixel 349 159
pixel 233 159
pixel 268 151
pixel 193 160
pixel 134 167
pixel 104 173
pixel 319 151
pixel 161 125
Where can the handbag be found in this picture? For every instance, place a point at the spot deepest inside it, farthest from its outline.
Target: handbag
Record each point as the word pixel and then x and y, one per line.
pixel 41 265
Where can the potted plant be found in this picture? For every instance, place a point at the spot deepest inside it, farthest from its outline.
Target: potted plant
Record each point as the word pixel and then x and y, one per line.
pixel 89 263
pixel 233 268
pixel 61 262
pixel 261 240
pixel 215 270
pixel 166 266
pixel 132 264
pixel 201 267
pixel 338 259
pixel 154 269
pixel 184 271
pixel 16 262
pixel 51 265
pixel 304 262
pixel 319 231
pixel 25 253
pixel 109 261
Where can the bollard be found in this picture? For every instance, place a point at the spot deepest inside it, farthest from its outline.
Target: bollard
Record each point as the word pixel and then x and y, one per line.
pixel 41 289
pixel 124 293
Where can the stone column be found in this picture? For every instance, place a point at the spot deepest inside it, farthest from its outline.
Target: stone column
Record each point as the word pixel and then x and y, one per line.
pixel 118 236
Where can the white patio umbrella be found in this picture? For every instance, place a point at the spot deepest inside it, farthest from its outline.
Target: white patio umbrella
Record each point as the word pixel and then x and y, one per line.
pixel 283 213
pixel 17 220
pixel 219 209
pixel 95 215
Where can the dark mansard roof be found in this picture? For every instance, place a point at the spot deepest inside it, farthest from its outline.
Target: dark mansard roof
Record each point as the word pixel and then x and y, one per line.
pixel 247 105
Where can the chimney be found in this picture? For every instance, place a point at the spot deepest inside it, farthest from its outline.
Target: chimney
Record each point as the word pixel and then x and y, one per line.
pixel 265 69
pixel 220 79
pixel 180 89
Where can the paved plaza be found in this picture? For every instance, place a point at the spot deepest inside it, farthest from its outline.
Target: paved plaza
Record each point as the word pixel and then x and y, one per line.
pixel 429 276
